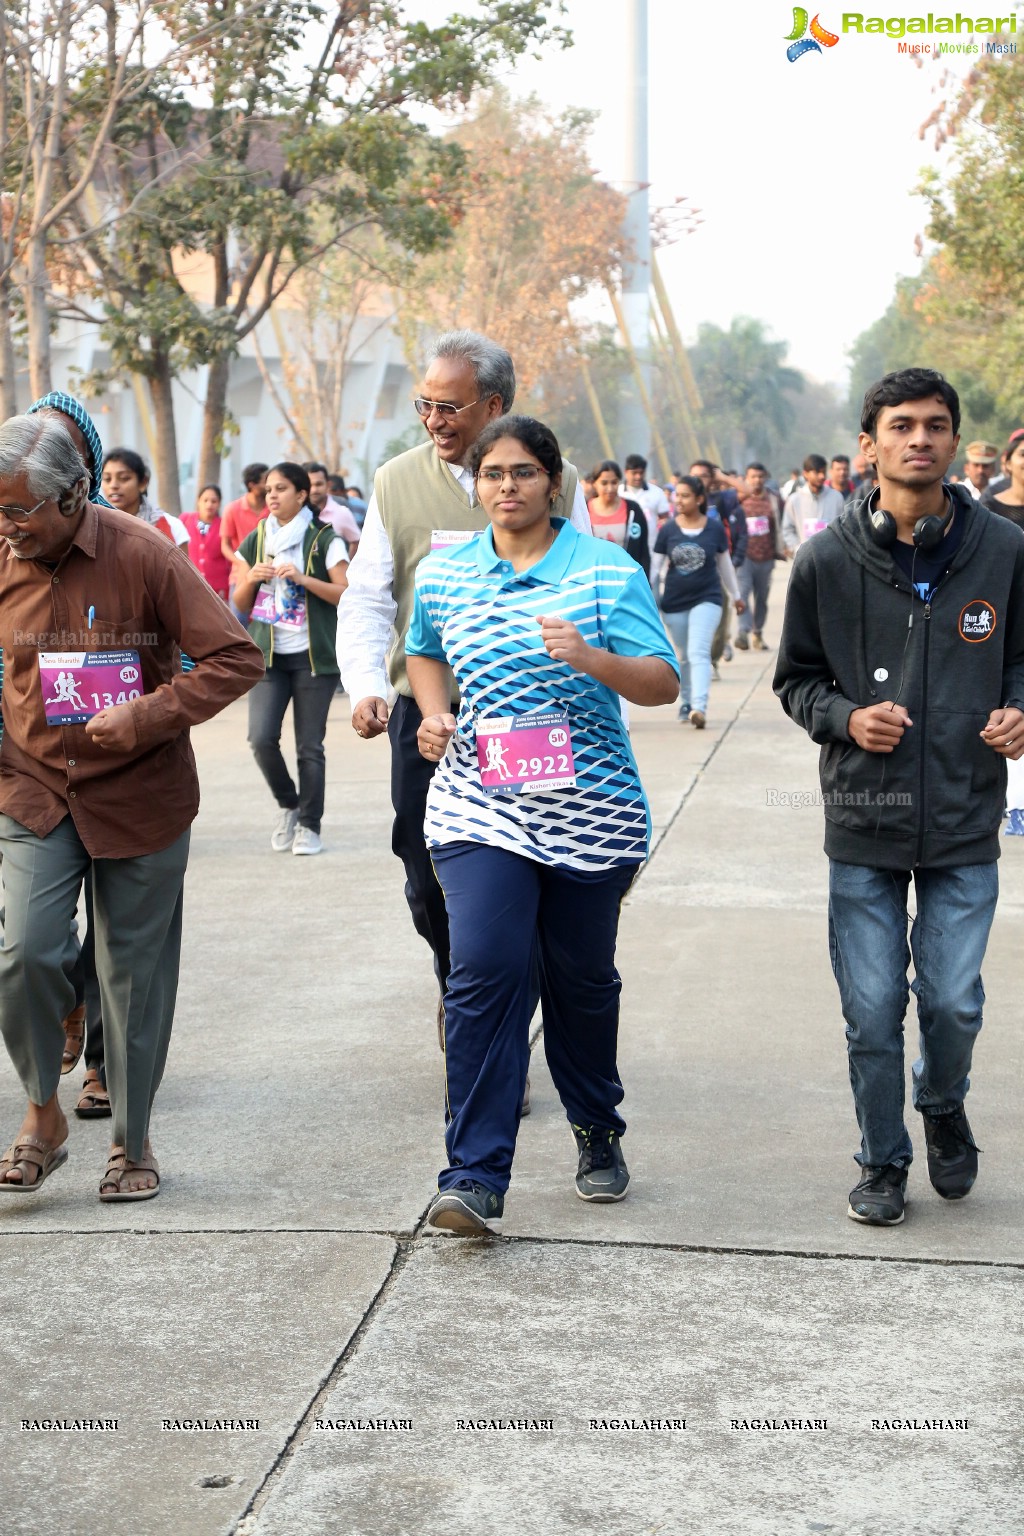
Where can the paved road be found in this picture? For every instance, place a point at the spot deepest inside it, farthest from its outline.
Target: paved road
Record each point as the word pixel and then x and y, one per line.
pixel 283 1280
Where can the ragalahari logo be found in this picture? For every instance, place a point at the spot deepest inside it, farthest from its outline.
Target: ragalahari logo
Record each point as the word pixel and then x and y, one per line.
pixel 800 43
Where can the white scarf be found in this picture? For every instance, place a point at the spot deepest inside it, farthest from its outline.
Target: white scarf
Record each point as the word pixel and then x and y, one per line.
pixel 283 542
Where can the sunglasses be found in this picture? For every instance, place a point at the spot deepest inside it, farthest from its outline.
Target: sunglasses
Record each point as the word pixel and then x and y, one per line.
pixel 443 408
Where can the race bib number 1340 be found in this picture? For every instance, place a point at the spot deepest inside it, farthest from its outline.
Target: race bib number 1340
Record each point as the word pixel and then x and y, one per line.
pixel 77 684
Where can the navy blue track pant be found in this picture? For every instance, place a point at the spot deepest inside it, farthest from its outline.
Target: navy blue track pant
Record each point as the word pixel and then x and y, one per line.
pixel 508 914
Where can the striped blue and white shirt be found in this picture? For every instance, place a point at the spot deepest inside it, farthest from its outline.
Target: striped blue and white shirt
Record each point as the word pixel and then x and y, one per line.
pixel 473 611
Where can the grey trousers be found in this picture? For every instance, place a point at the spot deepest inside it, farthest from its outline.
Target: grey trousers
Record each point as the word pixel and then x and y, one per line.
pixel 755 580
pixel 137 904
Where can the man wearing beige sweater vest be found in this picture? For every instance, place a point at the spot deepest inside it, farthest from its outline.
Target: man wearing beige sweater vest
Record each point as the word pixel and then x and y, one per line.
pixel 422 500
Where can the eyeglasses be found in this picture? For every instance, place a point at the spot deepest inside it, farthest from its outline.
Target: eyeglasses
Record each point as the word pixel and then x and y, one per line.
pixel 442 407
pixel 523 474
pixel 20 514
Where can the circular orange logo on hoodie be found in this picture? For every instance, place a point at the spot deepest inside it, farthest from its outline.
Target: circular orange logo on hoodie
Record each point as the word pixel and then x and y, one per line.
pixel 977 621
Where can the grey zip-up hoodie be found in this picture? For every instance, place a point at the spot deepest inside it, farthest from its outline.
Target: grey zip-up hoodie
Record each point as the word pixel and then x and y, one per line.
pixel 937 800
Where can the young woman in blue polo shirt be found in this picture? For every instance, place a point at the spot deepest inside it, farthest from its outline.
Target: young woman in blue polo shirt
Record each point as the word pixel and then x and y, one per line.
pixel 536 819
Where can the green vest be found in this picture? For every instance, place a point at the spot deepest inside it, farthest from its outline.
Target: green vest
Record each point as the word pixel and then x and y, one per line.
pixel 417 493
pixel 321 616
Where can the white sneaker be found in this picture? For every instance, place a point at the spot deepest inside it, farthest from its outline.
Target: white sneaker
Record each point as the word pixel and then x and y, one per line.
pixel 284 833
pixel 307 841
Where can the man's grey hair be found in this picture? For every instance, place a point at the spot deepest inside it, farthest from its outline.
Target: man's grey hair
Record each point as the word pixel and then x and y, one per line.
pixel 493 366
pixel 42 450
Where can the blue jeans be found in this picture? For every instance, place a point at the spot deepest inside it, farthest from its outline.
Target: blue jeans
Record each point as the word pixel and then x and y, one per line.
pixel 692 632
pixel 867 922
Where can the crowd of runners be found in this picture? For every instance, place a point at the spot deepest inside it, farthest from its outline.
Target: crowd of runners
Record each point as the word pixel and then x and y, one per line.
pixel 496 610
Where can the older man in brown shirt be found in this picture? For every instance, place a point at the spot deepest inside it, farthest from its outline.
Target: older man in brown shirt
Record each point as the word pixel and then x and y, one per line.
pixel 96 771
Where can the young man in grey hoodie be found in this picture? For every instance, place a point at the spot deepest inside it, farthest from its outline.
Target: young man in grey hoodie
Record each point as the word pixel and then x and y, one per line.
pixel 902 655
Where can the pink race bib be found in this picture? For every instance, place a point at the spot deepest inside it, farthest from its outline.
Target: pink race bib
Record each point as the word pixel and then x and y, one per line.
pixel 811 526
pixel 522 754
pixel 77 684
pixel 449 538
pixel 758 526
pixel 263 609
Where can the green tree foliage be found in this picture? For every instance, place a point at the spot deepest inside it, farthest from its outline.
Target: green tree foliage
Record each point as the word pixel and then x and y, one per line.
pixel 964 314
pixel 292 129
pixel 747 389
pixel 822 424
pixel 564 402
pixel 977 220
pixel 898 339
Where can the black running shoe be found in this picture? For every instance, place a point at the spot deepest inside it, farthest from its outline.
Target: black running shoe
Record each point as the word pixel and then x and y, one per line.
pixel 952 1153
pixel 602 1175
pixel 467 1208
pixel 880 1196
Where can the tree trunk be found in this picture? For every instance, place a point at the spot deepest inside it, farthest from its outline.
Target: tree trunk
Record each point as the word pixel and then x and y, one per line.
pixel 166 466
pixel 8 360
pixel 214 413
pixel 38 315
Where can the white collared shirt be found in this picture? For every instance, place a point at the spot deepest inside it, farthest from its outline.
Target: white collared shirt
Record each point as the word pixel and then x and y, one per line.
pixel 366 613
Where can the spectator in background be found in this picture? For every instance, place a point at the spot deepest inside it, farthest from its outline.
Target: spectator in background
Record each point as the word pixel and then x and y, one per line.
pixel 650 497
pixel 1005 496
pixel 205 540
pixel 698 566
pixel 763 512
pixel 323 505
pixel 125 486
pixel 292 572
pixel 616 518
pixel 240 519
pixel 723 502
pixel 811 509
pixel 978 461
pixel 863 472
pixel 840 480
pixel 794 483
pixel 1010 501
pixel 351 495
pixel 998 485
pixel 867 481
pixel 653 502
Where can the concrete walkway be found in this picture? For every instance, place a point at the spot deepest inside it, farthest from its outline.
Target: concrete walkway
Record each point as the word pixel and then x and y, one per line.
pixel 282 1280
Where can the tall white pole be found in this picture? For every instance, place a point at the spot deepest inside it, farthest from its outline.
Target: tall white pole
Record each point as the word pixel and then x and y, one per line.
pixel 635 432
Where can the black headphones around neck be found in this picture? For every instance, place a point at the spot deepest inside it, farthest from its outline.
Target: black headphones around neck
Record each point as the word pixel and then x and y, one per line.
pixel 929 531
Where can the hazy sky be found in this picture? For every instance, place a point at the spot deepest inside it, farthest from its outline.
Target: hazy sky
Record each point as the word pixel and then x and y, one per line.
pixel 803 171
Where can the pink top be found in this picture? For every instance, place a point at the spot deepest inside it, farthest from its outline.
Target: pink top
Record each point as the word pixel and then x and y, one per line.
pixel 342 521
pixel 205 552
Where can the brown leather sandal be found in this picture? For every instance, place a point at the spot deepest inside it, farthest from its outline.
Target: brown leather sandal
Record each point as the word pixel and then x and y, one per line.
pixel 74 1043
pixel 29 1152
pixel 119 1168
pixel 94 1100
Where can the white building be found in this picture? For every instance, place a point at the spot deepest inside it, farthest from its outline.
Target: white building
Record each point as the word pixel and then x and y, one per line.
pixel 376 409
